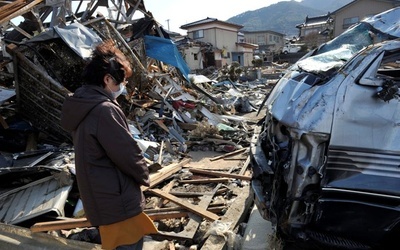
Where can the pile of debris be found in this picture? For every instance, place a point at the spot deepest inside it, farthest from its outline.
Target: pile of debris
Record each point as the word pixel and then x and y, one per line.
pixel 171 113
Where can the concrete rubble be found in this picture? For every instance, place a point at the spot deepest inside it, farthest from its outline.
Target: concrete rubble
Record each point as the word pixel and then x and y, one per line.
pixel 175 116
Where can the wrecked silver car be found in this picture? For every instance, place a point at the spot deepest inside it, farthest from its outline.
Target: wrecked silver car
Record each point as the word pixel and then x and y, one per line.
pixel 326 157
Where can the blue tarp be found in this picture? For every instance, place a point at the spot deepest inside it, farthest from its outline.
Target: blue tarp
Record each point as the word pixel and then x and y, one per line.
pixel 165 50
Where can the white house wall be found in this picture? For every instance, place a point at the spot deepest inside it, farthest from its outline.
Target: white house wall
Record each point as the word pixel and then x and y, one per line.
pixel 222 38
pixel 189 57
pixel 263 39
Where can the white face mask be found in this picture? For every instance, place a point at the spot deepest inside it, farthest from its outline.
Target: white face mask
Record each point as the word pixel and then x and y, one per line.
pixel 115 94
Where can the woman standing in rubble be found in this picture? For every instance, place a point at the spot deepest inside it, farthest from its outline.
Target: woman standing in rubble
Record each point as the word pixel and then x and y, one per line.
pixel 110 168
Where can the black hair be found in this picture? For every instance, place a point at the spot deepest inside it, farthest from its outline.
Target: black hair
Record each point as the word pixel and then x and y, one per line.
pixel 106 59
pixel 116 70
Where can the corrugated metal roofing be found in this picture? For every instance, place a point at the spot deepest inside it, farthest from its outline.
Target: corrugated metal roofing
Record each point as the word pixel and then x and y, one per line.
pixel 47 195
pixel 15 237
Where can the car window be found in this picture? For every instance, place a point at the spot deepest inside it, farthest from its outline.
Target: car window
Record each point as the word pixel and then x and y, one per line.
pixel 386 67
pixel 390 66
pixel 384 73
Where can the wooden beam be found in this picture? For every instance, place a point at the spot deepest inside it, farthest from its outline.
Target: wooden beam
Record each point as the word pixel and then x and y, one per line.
pixel 215 209
pixel 195 220
pixel 205 181
pixel 245 165
pixel 21 10
pixel 168 215
pixel 164 173
pixel 235 159
pixel 228 154
pixel 235 214
pixel 179 213
pixel 196 194
pixel 193 208
pixel 161 202
pixel 154 214
pixel 220 174
pixel 60 224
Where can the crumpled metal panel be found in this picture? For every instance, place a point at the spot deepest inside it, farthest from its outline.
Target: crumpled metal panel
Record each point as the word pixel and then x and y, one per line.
pixel 15 237
pixel 47 195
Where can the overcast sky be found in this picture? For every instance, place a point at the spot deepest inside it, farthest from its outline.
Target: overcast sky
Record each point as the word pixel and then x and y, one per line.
pixel 175 13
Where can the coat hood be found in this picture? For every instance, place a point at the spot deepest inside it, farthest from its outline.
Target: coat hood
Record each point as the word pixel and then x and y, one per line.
pixel 79 105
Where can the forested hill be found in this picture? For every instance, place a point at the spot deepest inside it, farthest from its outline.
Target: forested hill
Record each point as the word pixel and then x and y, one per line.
pixel 283 17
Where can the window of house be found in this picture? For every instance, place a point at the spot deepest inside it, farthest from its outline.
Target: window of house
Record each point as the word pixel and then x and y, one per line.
pixel 195 57
pixel 198 34
pixel 311 31
pixel 347 22
pixel 260 40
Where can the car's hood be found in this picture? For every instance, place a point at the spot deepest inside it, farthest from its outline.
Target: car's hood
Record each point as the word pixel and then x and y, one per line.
pixel 301 105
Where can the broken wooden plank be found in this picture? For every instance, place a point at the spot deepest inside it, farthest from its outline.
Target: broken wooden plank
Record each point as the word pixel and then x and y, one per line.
pixel 235 214
pixel 245 165
pixel 164 173
pixel 168 215
pixel 154 214
pixel 10 8
pixel 220 174
pixel 162 125
pixel 228 154
pixel 205 181
pixel 191 227
pixel 195 220
pixel 20 10
pixel 178 213
pixel 196 194
pixel 193 208
pixel 60 224
pixel 166 188
pixel 235 159
pixel 215 208
pixel 186 194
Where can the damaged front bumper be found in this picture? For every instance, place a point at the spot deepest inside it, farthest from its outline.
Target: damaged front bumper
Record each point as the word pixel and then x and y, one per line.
pixel 287 166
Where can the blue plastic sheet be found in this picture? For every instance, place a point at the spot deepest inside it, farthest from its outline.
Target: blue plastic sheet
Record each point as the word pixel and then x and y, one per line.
pixel 166 51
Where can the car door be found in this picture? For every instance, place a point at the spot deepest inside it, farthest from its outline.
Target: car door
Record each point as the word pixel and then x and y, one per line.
pixel 364 150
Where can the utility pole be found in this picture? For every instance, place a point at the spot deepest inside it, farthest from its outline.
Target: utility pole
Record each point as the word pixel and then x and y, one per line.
pixel 168 23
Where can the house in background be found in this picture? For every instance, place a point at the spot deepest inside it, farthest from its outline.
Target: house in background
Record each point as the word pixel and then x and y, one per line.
pixel 317 30
pixel 357 10
pixel 228 44
pixel 197 55
pixel 269 42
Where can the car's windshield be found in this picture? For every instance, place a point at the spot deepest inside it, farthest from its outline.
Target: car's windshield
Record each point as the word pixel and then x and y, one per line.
pixel 333 54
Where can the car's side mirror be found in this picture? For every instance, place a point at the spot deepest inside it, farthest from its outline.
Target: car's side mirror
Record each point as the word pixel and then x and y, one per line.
pixel 388 91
